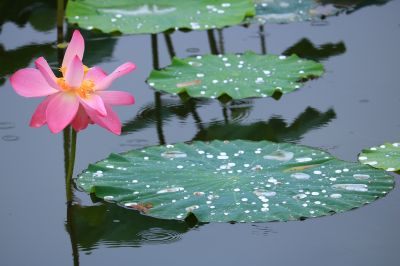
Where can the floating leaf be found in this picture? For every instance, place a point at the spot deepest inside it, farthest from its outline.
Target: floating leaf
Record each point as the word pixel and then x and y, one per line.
pixel 386 156
pixel 234 181
pixel 154 16
pixel 276 11
pixel 238 76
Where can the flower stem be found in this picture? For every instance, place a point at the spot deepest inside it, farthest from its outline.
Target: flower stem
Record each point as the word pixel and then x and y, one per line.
pixel 262 40
pixel 212 42
pixel 67 140
pixel 71 164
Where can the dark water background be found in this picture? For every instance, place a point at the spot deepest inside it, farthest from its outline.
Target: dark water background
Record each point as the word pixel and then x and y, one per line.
pixel 353 106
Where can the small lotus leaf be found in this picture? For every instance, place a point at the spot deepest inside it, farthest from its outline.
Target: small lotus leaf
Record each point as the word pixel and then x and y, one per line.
pixel 287 11
pixel 276 11
pixel 238 76
pixel 386 156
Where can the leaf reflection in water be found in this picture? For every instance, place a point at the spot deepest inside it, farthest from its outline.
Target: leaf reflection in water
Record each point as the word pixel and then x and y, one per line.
pixel 111 226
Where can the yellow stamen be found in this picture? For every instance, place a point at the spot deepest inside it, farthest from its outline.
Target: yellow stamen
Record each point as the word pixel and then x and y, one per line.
pixel 84 91
pixel 63 70
pixel 63 85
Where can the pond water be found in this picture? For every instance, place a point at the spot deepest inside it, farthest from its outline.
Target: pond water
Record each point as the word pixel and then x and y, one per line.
pixel 353 106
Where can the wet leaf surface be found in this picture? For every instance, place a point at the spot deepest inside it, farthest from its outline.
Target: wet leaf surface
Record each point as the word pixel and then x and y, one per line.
pixel 277 11
pixel 385 156
pixel 235 75
pixel 154 16
pixel 234 181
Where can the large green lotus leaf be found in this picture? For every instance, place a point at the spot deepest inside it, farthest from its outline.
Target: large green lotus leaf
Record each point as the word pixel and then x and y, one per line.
pixel 235 75
pixel 154 16
pixel 386 156
pixel 240 180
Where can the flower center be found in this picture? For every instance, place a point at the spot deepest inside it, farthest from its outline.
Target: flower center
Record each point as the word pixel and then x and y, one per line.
pixel 84 91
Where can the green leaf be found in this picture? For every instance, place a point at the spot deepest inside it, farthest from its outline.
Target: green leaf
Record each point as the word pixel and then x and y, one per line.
pixel 238 76
pixel 386 156
pixel 276 11
pixel 234 181
pixel 154 16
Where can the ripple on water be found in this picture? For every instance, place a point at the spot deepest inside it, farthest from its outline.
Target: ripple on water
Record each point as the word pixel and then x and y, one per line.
pixel 240 109
pixel 260 229
pixel 6 125
pixel 193 50
pixel 10 138
pixel 158 235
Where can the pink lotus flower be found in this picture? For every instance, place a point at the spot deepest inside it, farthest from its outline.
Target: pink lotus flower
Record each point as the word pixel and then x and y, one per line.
pixel 79 97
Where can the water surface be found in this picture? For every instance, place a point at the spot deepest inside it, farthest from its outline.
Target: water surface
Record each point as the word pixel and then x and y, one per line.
pixel 354 105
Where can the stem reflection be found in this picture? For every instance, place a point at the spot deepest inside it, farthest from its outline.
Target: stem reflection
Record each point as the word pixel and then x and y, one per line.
pixel 157 95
